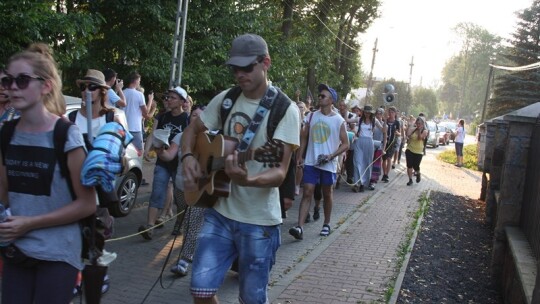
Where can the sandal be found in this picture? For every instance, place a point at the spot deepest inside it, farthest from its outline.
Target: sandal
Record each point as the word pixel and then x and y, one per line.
pixel 325 230
pixel 106 284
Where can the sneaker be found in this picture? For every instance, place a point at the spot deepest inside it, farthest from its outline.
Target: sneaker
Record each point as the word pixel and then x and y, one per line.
pixel 147 234
pixel 361 188
pixel 325 230
pixel 410 182
pixel 355 188
pixel 181 268
pixel 385 178
pixel 393 166
pixel 308 218
pixel 159 223
pixel 418 178
pixel 144 182
pixel 106 258
pixel 371 187
pixel 297 232
pixel 316 213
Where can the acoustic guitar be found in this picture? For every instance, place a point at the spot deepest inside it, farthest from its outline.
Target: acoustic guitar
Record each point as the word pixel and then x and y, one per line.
pixel 211 151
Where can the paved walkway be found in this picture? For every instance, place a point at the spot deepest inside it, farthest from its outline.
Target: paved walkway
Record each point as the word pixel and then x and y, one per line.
pixel 355 264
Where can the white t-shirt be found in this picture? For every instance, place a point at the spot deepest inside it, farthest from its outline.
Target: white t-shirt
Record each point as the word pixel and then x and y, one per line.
pixel 324 138
pixel 135 100
pixel 460 136
pixel 258 206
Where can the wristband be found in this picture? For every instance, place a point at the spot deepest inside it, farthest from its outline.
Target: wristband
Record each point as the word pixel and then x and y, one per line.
pixel 186 155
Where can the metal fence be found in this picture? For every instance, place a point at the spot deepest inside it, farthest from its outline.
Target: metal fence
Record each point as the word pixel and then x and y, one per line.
pixel 530 212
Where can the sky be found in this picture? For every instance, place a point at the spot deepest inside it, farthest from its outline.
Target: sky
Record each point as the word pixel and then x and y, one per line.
pixel 423 29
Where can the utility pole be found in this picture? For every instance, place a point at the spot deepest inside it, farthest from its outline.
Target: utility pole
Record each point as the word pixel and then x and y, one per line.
pixel 370 78
pixel 177 60
pixel 410 73
pixel 488 86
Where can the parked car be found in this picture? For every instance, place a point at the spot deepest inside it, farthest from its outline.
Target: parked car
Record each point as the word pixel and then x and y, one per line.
pixel 444 135
pixel 126 185
pixel 433 138
pixel 451 126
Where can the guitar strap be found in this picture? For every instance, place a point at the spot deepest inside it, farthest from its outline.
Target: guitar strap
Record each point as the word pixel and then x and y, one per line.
pixel 264 105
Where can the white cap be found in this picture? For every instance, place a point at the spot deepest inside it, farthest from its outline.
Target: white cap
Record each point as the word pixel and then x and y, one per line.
pixel 180 91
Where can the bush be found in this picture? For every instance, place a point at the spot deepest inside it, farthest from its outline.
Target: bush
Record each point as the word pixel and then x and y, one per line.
pixel 470 158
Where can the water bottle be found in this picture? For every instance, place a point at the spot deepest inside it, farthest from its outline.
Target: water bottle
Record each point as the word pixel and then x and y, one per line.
pixel 4 213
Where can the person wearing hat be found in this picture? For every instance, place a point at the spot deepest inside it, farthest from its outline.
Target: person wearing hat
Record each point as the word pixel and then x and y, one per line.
pixel 175 121
pixel 324 138
pixel 94 82
pixel 364 149
pixel 136 108
pixel 246 224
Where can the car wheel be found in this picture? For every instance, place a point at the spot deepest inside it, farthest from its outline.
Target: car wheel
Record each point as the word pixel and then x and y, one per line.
pixel 127 194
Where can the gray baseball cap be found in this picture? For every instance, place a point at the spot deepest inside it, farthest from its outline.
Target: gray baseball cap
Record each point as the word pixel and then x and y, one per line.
pixel 245 50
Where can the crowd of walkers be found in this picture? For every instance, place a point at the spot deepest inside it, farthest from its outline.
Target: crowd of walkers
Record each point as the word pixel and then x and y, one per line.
pixel 323 145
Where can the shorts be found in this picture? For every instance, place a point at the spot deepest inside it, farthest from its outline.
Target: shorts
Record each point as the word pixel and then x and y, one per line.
pixel 160 186
pixel 390 149
pixel 222 241
pixel 314 175
pixel 137 140
pixel 459 148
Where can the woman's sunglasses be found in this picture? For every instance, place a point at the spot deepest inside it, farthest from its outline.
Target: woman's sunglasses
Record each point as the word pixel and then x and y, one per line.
pixel 92 87
pixel 22 81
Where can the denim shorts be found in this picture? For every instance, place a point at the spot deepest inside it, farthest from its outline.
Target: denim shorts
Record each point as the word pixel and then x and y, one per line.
pixel 314 175
pixel 160 185
pixel 223 240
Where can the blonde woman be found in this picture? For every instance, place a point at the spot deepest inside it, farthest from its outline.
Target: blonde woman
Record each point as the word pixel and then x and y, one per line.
pixel 44 225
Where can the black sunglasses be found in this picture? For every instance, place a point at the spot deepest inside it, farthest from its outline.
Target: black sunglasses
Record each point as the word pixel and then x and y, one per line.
pixel 22 81
pixel 246 69
pixel 92 87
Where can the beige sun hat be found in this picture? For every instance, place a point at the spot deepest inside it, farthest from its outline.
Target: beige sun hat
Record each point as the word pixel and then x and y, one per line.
pixel 94 77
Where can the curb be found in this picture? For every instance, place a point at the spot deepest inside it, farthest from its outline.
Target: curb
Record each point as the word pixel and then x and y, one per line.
pixel 402 271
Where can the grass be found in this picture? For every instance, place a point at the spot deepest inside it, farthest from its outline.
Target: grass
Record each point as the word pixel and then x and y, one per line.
pixel 405 246
pixel 470 158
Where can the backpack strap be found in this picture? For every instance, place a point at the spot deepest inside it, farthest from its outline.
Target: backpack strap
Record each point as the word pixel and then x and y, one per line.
pixel 109 117
pixel 277 112
pixel 72 116
pixel 60 135
pixel 228 103
pixel 6 133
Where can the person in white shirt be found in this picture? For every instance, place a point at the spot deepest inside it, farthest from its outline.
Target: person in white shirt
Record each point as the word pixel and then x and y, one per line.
pixel 136 109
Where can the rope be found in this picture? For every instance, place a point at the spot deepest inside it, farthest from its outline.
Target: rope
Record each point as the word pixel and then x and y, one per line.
pixel 139 233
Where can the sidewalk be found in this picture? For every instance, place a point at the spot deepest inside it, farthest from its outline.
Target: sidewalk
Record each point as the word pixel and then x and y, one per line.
pixel 353 265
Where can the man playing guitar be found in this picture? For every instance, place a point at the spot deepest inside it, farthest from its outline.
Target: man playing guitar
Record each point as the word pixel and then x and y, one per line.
pixel 246 224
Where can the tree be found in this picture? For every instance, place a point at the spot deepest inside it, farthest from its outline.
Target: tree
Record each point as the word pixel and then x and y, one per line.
pixel 519 89
pixel 465 74
pixel 424 100
pixel 61 24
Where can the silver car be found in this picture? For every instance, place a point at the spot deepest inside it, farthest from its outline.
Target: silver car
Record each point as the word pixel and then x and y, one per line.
pixel 433 138
pixel 126 185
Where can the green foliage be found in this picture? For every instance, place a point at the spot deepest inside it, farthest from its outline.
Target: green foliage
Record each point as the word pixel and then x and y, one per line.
pixel 519 89
pixel 425 100
pixel 309 41
pixel 25 22
pixel 465 75
pixel 470 157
